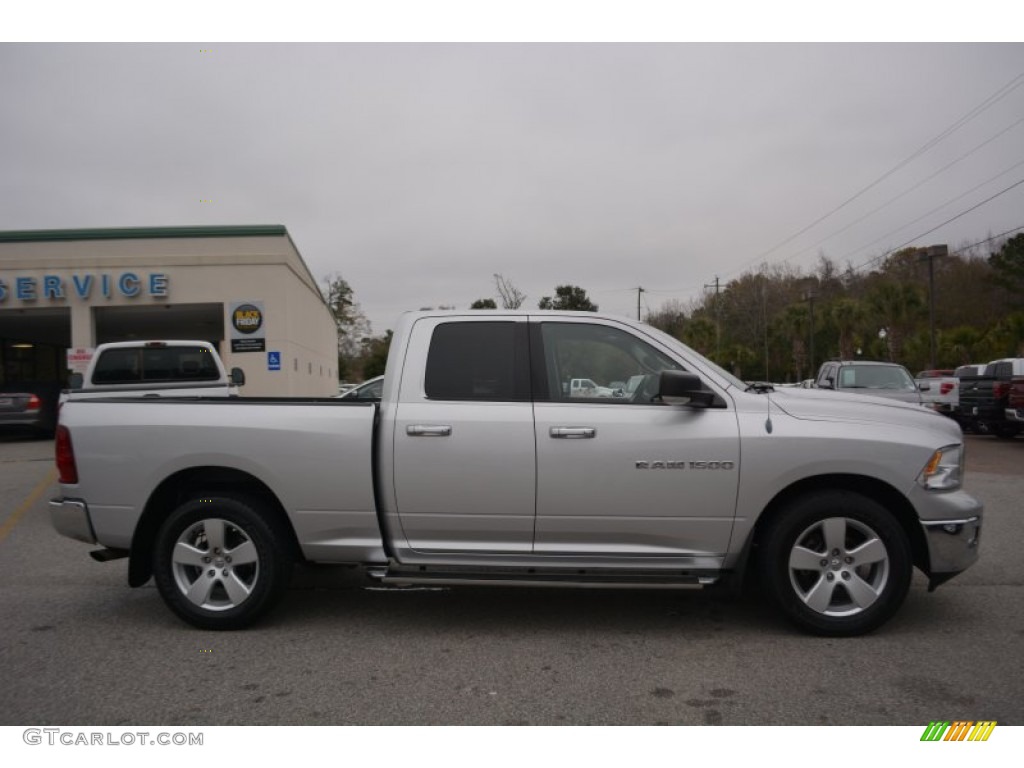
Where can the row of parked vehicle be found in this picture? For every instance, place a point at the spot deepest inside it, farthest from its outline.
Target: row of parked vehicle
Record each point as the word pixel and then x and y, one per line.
pixel 123 369
pixel 985 398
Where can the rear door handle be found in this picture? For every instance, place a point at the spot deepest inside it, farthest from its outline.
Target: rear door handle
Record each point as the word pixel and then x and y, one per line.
pixel 573 433
pixel 428 430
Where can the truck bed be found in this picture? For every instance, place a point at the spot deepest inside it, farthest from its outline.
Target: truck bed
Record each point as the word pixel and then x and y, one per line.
pixel 314 454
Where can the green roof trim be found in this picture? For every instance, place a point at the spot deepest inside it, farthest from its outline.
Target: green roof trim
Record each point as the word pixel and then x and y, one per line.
pixel 133 233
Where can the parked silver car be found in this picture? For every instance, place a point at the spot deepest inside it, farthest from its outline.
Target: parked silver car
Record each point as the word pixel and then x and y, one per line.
pixel 26 411
pixel 866 377
pixel 371 389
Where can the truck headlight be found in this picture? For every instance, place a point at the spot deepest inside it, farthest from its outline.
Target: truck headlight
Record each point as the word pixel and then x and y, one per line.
pixel 944 470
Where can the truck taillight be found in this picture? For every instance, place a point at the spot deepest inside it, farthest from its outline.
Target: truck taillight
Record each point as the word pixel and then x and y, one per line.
pixel 946 387
pixel 65 455
pixel 1000 389
pixel 34 403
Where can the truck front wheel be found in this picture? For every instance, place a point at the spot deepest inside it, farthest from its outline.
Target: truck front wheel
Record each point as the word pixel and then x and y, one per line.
pixel 837 563
pixel 219 563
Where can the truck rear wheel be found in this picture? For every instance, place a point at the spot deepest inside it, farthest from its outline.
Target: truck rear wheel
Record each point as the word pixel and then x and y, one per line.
pixel 837 563
pixel 219 563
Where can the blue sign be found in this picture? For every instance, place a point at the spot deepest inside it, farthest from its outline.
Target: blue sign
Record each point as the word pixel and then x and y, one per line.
pixel 273 361
pixel 84 286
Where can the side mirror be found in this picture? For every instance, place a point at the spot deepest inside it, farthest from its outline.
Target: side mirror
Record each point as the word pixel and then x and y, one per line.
pixel 237 377
pixel 924 387
pixel 682 388
pixel 75 381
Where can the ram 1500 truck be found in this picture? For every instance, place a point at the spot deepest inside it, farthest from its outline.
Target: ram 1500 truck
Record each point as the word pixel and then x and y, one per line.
pixel 480 466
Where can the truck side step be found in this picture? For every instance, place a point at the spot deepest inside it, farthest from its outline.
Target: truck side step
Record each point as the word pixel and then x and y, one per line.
pixel 537 577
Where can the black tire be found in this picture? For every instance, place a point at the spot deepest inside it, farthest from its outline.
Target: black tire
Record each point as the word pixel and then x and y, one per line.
pixel 835 595
pixel 233 565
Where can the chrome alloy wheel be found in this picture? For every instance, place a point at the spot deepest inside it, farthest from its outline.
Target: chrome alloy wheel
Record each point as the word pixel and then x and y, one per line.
pixel 215 564
pixel 838 566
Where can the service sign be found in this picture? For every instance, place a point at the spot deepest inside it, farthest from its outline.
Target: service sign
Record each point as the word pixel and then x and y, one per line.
pixel 248 333
pixel 79 358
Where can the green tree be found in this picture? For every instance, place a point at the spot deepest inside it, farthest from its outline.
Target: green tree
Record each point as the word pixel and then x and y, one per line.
pixel 375 355
pixel 700 334
pixel 738 357
pixel 898 307
pixel 568 298
pixel 1008 265
pixel 483 304
pixel 847 315
pixel 670 317
pixel 961 345
pixel 1008 336
pixel 793 325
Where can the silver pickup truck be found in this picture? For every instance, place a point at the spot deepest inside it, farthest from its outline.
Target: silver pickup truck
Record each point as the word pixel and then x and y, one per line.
pixel 481 465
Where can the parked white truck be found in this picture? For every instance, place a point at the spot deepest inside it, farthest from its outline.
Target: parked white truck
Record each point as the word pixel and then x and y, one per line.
pixel 479 466
pixel 155 368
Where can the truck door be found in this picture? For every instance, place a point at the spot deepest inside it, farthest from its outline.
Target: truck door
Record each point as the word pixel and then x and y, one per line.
pixel 618 474
pixel 464 454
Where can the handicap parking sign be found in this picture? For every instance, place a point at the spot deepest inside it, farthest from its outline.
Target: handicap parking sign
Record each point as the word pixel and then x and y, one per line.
pixel 273 361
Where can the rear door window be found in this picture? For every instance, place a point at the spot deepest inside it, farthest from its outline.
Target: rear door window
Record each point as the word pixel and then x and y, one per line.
pixel 478 361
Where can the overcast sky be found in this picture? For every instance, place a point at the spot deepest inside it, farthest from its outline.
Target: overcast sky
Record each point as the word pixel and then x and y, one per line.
pixel 417 171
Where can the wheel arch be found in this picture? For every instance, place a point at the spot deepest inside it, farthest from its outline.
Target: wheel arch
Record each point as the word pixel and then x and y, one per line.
pixel 872 488
pixel 189 483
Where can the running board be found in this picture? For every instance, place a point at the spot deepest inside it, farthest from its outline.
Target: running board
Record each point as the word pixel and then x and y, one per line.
pixel 532 577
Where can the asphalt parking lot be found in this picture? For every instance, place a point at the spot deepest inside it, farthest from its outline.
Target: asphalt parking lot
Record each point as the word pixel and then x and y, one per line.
pixel 78 646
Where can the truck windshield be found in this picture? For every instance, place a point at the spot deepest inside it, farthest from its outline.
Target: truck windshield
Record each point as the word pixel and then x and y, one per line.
pixel 155 364
pixel 875 377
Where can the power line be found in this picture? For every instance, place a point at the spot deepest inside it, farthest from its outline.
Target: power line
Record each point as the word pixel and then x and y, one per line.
pixel 999 94
pixel 940 226
pixel 910 189
pixel 986 240
pixel 929 213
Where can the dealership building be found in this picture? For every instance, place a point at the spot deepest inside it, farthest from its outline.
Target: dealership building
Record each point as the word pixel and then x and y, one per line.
pixel 246 289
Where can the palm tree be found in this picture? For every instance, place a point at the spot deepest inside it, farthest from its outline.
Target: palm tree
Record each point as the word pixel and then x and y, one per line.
pixel 792 324
pixel 896 306
pixel 847 314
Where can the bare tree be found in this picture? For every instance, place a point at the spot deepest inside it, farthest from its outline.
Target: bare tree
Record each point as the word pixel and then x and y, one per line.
pixel 348 317
pixel 511 297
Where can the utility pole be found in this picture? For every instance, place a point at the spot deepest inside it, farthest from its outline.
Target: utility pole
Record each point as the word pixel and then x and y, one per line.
pixel 809 297
pixel 764 310
pixel 638 292
pixel 929 255
pixel 718 329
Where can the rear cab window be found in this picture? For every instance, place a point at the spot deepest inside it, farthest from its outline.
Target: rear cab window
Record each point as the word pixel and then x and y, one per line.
pixel 151 365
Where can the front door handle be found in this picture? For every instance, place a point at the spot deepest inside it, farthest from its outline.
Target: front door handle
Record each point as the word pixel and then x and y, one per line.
pixel 573 433
pixel 428 430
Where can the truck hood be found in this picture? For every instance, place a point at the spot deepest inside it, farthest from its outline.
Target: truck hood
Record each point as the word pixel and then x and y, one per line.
pixel 824 405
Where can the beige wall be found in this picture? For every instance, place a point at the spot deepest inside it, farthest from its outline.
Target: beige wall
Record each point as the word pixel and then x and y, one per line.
pixel 199 270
